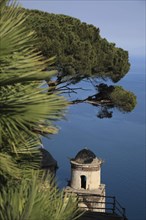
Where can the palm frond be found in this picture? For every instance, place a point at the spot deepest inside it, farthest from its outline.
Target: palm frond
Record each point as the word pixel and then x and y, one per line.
pixel 26 108
pixel 36 200
pixel 8 167
pixel 18 58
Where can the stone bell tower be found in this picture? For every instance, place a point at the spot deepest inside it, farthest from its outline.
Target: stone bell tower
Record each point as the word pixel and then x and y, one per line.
pixel 86 181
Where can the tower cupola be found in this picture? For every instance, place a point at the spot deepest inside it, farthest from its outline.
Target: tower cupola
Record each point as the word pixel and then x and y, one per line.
pixel 85 170
pixel 86 181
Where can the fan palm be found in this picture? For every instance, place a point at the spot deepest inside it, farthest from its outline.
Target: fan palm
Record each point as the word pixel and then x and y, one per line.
pixel 25 105
pixel 33 201
pixel 27 111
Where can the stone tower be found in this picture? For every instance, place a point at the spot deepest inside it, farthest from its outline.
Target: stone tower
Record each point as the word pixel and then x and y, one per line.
pixel 86 181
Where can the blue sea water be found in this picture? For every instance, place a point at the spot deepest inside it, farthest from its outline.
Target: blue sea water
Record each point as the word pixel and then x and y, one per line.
pixel 119 141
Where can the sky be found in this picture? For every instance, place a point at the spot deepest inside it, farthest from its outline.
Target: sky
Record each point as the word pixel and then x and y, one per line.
pixel 119 21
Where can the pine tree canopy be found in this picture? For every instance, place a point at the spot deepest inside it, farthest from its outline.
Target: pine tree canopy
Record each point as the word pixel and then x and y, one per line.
pixel 81 51
pixel 82 54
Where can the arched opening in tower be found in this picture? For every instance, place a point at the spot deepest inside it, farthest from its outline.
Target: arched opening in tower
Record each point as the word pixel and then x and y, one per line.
pixel 83 181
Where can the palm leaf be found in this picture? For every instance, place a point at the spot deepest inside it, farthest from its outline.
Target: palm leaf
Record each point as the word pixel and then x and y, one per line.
pixel 18 58
pixel 24 108
pixel 8 167
pixel 33 200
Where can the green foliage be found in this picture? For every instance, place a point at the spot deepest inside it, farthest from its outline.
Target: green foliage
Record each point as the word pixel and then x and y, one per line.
pixel 118 97
pixel 18 58
pixel 26 112
pixel 124 100
pixel 31 200
pixel 110 96
pixel 8 166
pixel 80 50
pixel 80 53
pixel 25 106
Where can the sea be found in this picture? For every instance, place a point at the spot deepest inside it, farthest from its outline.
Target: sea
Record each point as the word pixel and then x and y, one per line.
pixel 119 141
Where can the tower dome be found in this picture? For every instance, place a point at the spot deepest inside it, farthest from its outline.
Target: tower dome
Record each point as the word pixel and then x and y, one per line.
pixel 85 156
